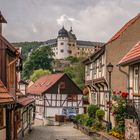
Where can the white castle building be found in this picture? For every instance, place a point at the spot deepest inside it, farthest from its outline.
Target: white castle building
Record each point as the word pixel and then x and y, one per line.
pixel 66 44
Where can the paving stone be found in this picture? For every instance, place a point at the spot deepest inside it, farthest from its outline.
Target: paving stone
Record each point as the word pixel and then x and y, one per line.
pixel 63 132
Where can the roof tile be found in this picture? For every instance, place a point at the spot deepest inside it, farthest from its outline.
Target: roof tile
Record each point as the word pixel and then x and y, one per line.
pixel 5 97
pixel 44 83
pixel 133 54
pixel 24 101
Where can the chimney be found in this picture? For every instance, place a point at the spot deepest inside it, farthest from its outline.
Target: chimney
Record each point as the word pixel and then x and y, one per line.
pixel 2 20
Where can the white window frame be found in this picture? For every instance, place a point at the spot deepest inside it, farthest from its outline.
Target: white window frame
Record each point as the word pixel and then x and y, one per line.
pixel 136 80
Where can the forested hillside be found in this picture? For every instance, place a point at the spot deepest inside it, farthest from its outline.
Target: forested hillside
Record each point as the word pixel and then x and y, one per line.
pixel 27 47
pixel 42 59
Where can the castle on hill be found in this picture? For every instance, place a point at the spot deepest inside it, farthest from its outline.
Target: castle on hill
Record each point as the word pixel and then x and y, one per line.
pixel 66 44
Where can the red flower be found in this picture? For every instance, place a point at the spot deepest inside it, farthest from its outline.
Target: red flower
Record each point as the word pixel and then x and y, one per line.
pixel 124 94
pixel 114 92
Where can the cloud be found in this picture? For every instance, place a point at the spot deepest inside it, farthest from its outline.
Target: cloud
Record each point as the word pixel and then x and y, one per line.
pixel 95 20
pixel 66 21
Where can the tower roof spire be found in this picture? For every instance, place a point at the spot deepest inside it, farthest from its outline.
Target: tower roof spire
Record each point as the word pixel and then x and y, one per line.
pixel 2 19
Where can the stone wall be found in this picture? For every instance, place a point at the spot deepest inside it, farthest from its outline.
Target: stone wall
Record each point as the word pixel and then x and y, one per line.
pixel 131 130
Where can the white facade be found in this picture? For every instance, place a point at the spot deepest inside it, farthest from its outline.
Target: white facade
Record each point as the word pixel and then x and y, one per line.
pixel 95 77
pixel 134 82
pixel 54 104
pixel 62 48
pixel 96 69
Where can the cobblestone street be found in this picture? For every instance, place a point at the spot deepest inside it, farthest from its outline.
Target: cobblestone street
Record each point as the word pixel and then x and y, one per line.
pixel 64 132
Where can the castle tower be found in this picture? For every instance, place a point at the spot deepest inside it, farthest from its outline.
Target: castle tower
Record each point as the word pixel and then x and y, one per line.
pixel 62 44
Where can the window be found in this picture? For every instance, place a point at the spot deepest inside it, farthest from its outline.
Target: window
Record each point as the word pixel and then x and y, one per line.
pixel 100 64
pixel 1 117
pixel 94 68
pixel 62 85
pixel 94 97
pixel 61 43
pixel 88 69
pixel 69 51
pixel 136 76
pixel 73 44
pixel 71 97
pixel 61 50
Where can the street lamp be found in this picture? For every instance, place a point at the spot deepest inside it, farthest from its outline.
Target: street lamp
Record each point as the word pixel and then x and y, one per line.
pixel 109 69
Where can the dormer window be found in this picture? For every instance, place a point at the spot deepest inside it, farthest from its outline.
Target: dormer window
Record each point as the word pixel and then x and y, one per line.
pixel 62 85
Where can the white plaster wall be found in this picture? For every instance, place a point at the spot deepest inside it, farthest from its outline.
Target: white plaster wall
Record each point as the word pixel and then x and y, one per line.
pixel 51 112
pixel 65 47
pixel 88 76
pixel 102 98
pixel 81 110
pixel 79 98
pixel 106 115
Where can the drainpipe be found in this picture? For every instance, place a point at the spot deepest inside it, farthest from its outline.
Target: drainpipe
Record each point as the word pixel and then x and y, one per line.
pixel 127 75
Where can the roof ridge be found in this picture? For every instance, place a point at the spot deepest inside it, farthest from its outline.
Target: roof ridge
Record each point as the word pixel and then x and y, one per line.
pixel 124 27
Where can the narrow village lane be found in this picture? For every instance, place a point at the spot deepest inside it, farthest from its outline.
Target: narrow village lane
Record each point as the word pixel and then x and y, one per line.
pixel 64 132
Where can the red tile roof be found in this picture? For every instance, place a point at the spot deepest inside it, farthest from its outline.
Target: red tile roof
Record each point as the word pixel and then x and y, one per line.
pixel 44 83
pixel 5 97
pixel 24 101
pixel 129 23
pixel 133 54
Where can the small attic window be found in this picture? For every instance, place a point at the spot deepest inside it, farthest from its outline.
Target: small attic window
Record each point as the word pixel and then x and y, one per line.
pixel 62 85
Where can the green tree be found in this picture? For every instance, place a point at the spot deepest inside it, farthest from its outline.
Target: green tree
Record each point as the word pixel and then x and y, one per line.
pixel 72 59
pixel 38 73
pixel 77 73
pixel 27 47
pixel 39 58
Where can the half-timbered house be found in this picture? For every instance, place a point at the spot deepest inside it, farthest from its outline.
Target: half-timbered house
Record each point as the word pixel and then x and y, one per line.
pixel 53 92
pixel 132 59
pixel 12 102
pixel 96 74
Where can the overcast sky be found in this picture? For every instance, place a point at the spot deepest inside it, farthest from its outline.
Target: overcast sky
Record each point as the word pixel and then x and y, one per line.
pixel 40 20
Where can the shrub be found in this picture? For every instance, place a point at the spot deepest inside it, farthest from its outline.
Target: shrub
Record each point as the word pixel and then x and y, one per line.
pixel 100 114
pixel 97 125
pixel 92 110
pixel 89 122
pixel 81 118
pixel 77 118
